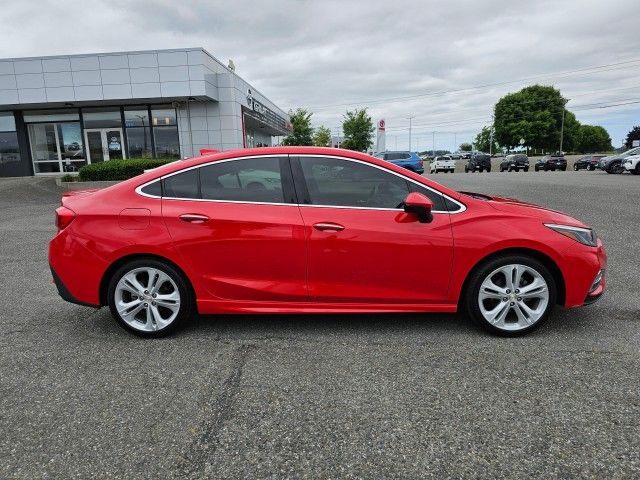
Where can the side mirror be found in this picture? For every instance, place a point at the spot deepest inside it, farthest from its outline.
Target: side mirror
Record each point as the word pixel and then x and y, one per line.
pixel 419 205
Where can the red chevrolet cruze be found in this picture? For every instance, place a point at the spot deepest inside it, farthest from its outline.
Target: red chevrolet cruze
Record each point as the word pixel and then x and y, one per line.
pixel 315 230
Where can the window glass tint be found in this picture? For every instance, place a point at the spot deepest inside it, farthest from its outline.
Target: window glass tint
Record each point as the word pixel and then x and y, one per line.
pixel 182 185
pixel 333 181
pixel 154 189
pixel 243 180
pixel 397 156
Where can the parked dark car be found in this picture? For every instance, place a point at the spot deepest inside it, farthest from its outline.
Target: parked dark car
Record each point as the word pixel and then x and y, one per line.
pixel 465 155
pixel 517 161
pixel 551 162
pixel 588 162
pixel 478 161
pixel 613 163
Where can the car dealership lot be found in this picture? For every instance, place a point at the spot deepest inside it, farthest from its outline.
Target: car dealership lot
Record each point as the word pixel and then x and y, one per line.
pixel 322 396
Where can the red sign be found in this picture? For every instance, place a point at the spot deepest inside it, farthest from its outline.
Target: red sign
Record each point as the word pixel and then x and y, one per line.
pixel 381 124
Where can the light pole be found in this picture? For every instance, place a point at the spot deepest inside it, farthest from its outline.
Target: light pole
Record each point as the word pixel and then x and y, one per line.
pixel 410 118
pixel 562 124
pixel 455 141
pixel 434 143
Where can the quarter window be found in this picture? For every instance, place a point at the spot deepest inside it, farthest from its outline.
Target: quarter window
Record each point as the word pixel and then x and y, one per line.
pixel 333 181
pixel 244 180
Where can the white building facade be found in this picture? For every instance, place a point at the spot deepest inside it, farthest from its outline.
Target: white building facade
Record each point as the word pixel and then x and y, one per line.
pixel 59 113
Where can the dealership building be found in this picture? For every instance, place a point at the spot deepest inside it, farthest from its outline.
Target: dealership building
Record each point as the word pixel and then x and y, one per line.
pixel 59 113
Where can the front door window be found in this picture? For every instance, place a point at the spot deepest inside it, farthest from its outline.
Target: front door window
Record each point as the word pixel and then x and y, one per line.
pixel 104 144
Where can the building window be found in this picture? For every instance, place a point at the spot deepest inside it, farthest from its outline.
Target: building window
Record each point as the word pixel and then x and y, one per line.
pixel 56 147
pixel 136 122
pixel 9 151
pixel 165 132
pixel 101 117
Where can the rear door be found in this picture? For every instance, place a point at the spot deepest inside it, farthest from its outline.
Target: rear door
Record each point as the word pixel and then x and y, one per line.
pixel 237 224
pixel 363 247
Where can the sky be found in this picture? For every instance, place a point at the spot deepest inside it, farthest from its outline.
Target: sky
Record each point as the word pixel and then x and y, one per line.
pixel 443 63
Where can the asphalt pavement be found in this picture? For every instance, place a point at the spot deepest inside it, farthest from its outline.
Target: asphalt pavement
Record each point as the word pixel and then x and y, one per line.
pixel 327 396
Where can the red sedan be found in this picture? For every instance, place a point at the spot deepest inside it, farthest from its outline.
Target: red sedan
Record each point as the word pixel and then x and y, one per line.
pixel 315 230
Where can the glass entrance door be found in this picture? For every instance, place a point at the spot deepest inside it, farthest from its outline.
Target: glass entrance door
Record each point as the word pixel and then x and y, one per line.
pixel 104 144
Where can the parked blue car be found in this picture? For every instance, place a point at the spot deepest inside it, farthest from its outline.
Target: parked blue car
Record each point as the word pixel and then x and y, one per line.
pixel 409 160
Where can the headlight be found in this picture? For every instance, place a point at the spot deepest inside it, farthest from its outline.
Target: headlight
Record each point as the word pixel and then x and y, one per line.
pixel 585 236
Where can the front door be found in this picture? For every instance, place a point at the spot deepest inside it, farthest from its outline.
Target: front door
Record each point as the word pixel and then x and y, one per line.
pixel 363 247
pixel 104 144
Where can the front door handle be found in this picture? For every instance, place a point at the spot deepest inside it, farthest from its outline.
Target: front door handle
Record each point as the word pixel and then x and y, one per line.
pixel 194 218
pixel 328 227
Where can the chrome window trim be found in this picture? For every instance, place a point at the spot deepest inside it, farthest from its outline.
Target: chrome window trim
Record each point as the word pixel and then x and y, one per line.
pixel 139 191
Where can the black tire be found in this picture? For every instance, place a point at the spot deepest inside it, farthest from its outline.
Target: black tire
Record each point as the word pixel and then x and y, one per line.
pixel 489 170
pixel 187 300
pixel 470 301
pixel 536 168
pixel 526 169
pixel 501 169
pixel 636 171
pixel 466 169
pixel 615 168
pixel 510 169
pixel 591 168
pixel 575 167
pixel 564 169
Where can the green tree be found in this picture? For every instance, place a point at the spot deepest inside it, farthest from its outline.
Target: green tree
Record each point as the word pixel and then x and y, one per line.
pixel 483 139
pixel 534 114
pixel 634 134
pixel 322 137
pixel 466 147
pixel 302 130
pixel 571 135
pixel 358 130
pixel 593 139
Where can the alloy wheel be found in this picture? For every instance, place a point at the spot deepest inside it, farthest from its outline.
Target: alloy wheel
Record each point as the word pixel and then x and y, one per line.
pixel 513 297
pixel 147 299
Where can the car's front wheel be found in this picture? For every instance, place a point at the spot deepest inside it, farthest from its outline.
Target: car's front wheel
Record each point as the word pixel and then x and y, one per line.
pixel 149 298
pixel 511 295
pixel 636 171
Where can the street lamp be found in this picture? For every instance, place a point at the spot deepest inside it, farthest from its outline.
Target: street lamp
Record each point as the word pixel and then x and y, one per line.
pixel 562 124
pixel 410 118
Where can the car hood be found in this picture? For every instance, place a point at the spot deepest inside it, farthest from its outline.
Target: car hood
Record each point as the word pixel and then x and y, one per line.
pixel 611 157
pixel 518 207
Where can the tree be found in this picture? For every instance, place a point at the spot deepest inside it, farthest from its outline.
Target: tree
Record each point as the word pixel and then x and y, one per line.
pixel 483 138
pixel 302 130
pixel 634 134
pixel 571 135
pixel 535 115
pixel 466 147
pixel 322 137
pixel 358 130
pixel 593 139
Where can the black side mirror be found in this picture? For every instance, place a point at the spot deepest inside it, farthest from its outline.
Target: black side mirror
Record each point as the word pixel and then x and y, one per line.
pixel 419 205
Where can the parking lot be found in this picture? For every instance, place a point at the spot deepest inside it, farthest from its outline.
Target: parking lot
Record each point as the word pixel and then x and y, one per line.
pixel 340 396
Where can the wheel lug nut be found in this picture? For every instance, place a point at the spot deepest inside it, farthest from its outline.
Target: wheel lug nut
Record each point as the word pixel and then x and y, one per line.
pixel 517 291
pixel 146 292
pixel 154 295
pixel 504 299
pixel 512 304
pixel 508 291
pixel 519 299
pixel 153 303
pixel 146 305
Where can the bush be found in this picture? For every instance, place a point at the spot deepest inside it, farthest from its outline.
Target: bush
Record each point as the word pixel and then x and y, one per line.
pixel 68 178
pixel 118 169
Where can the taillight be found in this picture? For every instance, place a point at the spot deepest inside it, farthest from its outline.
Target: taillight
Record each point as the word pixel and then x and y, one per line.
pixel 64 217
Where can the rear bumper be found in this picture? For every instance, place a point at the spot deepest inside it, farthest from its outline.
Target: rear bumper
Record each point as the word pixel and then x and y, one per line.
pixel 65 293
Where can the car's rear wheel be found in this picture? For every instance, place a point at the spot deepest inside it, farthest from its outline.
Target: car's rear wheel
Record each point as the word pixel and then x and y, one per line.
pixel 149 298
pixel 511 295
pixel 636 171
pixel 575 167
pixel 526 169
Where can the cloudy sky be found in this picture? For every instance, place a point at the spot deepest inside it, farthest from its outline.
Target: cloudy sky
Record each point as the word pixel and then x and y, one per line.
pixel 443 63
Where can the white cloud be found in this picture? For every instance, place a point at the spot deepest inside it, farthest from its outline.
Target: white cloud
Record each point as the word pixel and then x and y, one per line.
pixel 319 53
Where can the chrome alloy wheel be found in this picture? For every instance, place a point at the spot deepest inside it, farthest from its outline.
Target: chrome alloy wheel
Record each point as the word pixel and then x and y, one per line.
pixel 513 297
pixel 147 299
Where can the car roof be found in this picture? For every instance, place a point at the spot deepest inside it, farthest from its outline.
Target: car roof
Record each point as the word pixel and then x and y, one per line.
pixel 253 152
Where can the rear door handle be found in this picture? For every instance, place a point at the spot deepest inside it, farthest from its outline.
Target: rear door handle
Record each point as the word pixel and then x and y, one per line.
pixel 194 218
pixel 328 227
